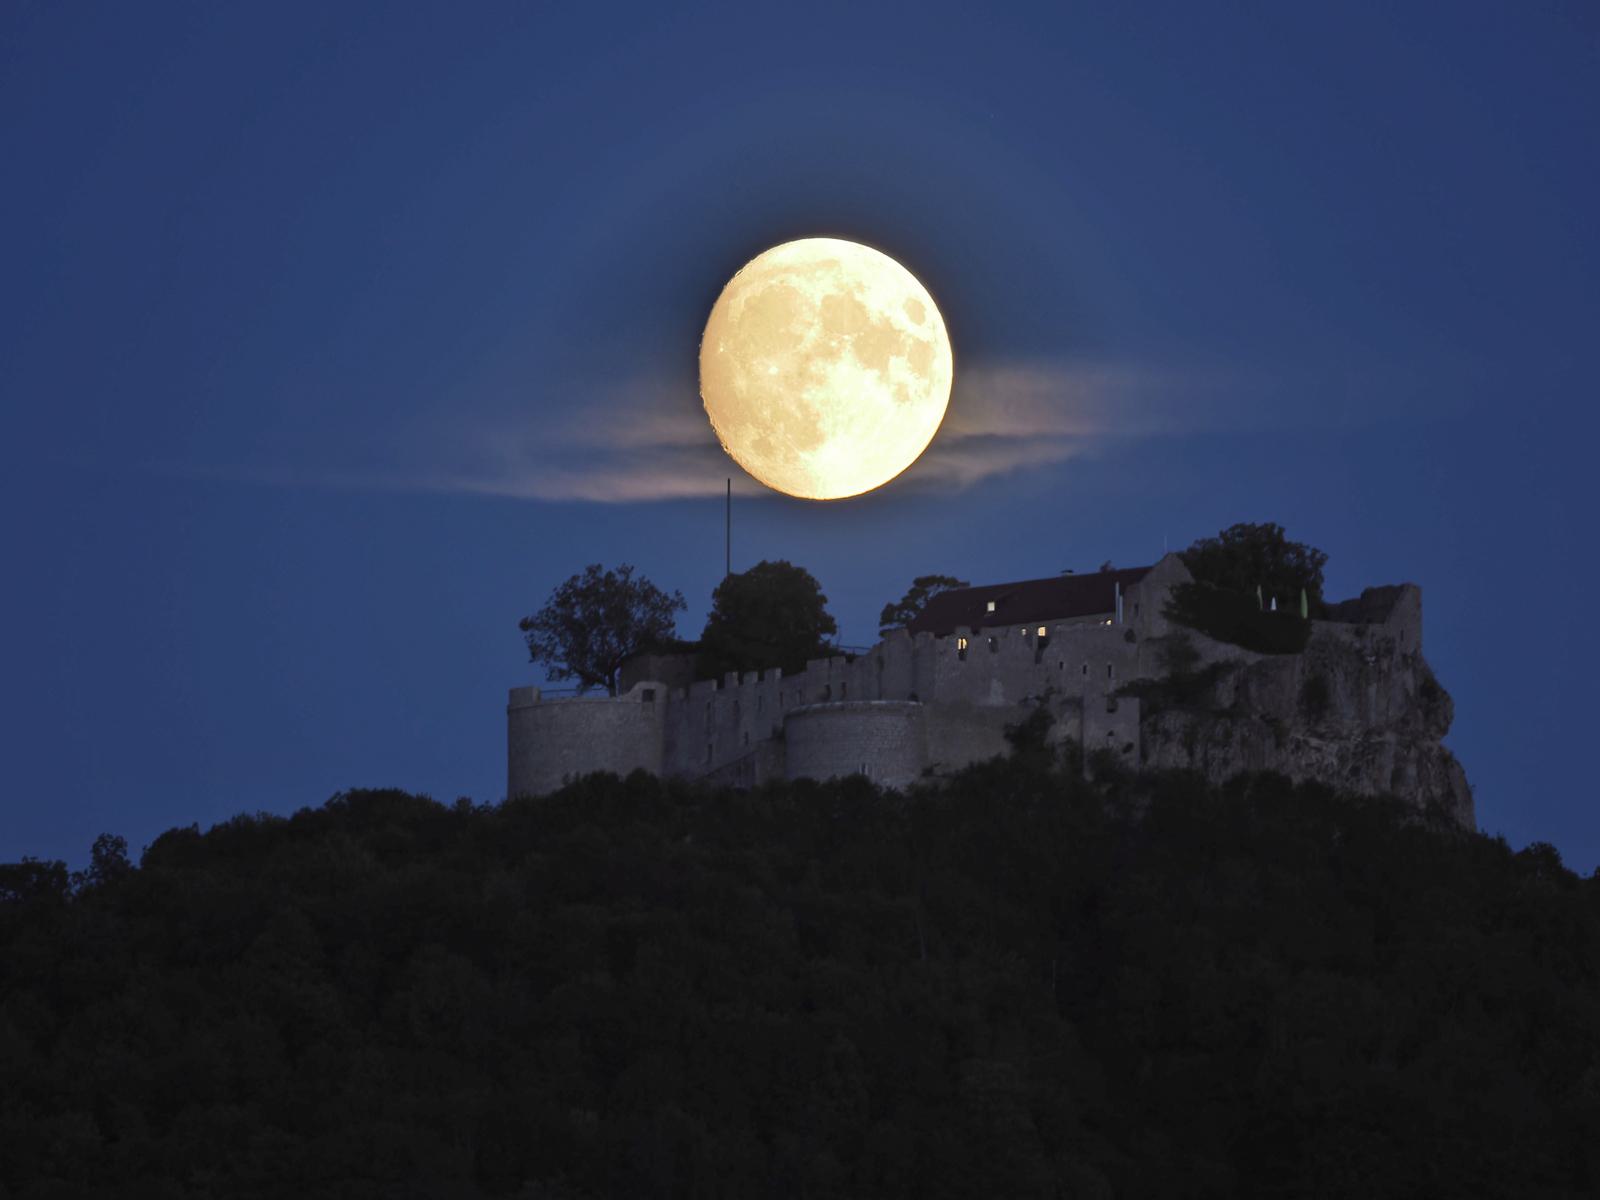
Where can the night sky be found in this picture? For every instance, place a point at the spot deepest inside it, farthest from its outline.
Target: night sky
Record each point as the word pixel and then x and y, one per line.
pixel 334 337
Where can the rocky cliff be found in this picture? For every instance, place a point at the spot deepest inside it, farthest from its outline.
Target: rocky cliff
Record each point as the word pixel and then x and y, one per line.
pixel 1359 708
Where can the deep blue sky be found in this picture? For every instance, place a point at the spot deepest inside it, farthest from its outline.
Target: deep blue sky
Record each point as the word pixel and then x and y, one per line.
pixel 335 336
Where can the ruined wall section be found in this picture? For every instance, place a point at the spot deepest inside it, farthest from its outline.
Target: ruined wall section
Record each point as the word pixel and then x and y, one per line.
pixel 1145 605
pixel 1359 709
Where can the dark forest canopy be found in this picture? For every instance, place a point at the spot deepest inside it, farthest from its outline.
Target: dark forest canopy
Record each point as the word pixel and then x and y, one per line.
pixel 1022 985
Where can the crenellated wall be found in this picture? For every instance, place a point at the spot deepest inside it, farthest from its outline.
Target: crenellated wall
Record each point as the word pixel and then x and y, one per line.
pixel 965 689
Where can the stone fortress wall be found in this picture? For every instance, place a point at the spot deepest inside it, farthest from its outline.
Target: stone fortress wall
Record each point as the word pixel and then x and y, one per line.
pixel 920 705
pixel 912 705
pixel 550 739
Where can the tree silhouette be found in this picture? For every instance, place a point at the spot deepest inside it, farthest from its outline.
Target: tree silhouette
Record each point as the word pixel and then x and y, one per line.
pixel 1245 557
pixel 909 607
pixel 773 615
pixel 595 621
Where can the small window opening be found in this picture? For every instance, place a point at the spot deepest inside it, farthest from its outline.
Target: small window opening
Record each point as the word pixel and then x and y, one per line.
pixel 988 606
pixel 1043 632
pixel 1085 668
pixel 1108 670
pixel 844 690
pixel 994 644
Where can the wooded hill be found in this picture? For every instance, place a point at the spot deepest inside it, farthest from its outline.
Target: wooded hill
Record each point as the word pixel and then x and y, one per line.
pixel 1019 985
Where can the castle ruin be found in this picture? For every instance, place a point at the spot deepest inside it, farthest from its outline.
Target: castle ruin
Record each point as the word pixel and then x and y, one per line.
pixel 1358 709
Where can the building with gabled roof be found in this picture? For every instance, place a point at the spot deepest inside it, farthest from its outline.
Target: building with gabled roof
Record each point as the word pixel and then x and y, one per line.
pixel 1063 597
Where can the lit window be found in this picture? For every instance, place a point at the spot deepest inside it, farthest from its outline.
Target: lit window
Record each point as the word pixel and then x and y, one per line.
pixel 1023 632
pixel 988 606
pixel 1041 631
pixel 961 643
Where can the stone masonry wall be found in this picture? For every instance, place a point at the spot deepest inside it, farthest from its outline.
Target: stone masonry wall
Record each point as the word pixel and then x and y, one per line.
pixel 973 683
pixel 551 741
pixel 885 740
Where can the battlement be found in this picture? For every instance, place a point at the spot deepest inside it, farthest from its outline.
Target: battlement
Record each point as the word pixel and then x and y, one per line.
pixel 962 688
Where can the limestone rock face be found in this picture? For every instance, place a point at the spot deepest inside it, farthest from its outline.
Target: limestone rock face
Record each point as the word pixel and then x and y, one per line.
pixel 1359 709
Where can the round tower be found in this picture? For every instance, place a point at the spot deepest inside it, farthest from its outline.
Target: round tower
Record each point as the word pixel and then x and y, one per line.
pixel 885 740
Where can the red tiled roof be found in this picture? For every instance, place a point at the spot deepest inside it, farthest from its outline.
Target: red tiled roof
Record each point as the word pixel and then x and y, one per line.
pixel 1026 602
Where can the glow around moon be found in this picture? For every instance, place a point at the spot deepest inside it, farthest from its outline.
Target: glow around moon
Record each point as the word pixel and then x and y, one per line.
pixel 825 368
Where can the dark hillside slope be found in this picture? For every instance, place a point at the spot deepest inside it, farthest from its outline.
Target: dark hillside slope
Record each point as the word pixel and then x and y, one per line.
pixel 1019 986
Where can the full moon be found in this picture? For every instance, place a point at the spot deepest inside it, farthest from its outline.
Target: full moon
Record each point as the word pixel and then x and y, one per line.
pixel 825 368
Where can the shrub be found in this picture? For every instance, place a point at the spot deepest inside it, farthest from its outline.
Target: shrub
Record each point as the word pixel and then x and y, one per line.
pixel 1236 617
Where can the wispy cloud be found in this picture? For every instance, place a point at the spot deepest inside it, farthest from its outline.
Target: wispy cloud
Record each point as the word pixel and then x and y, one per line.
pixel 642 443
